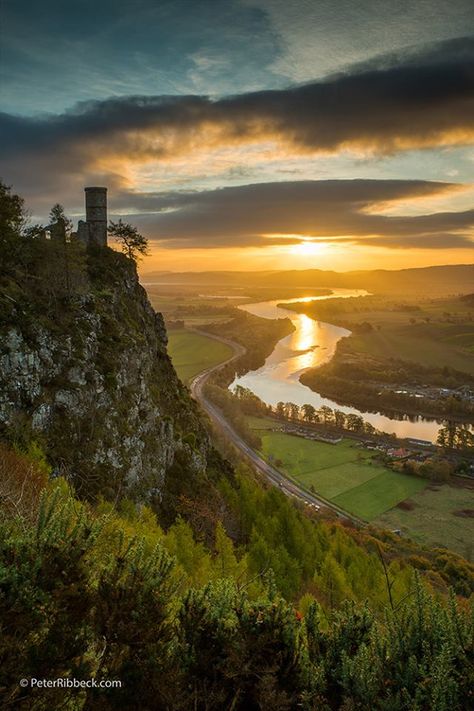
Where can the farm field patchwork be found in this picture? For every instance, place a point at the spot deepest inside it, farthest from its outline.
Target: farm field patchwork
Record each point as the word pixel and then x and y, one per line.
pixel 343 473
pixel 441 515
pixel 380 493
pixel 192 353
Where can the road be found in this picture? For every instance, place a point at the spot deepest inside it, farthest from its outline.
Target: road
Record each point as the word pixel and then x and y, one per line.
pixel 269 472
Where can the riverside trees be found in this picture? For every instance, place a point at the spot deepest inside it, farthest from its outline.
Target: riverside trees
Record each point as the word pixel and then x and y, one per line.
pixel 324 415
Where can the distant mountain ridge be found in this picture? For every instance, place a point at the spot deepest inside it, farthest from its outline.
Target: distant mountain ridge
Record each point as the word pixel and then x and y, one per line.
pixel 446 279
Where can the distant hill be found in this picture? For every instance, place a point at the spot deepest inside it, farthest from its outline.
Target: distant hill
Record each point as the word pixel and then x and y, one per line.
pixel 440 280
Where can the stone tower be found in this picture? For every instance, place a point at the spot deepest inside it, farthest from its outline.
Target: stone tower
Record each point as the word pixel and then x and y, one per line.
pixel 96 215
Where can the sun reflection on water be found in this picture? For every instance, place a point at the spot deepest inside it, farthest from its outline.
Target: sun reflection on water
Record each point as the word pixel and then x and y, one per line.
pixel 313 343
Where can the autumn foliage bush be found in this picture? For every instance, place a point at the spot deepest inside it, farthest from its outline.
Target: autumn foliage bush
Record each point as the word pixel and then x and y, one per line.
pixel 22 479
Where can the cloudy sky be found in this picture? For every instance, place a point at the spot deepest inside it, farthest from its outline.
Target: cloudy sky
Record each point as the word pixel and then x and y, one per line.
pixel 254 134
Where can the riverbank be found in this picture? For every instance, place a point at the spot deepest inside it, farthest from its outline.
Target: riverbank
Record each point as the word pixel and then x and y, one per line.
pixel 353 378
pixel 400 357
pixel 256 335
pixel 434 333
pixel 312 345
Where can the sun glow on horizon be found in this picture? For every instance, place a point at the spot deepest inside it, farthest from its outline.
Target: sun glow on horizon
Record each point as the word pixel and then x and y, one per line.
pixel 304 254
pixel 309 248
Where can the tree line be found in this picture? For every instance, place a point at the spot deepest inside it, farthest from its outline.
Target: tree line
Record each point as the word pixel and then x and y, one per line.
pixel 371 396
pixel 252 405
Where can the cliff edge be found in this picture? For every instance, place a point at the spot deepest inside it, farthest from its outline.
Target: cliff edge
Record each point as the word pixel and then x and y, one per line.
pixel 84 370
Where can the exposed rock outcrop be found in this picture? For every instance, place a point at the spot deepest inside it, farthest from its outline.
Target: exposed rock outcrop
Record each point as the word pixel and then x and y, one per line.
pixel 94 383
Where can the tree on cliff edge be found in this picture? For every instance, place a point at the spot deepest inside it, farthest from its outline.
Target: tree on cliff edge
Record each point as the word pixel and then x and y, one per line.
pixel 57 213
pixel 132 243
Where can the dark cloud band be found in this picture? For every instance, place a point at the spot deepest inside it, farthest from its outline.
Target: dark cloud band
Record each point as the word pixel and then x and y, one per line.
pixel 263 214
pixel 426 100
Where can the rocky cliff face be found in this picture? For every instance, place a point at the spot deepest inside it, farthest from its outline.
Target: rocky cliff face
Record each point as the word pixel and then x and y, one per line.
pixel 91 380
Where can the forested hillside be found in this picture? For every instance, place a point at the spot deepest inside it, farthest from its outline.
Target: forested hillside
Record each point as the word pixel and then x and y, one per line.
pixel 106 593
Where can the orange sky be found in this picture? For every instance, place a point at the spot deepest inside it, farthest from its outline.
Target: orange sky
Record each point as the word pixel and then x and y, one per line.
pixel 274 143
pixel 331 257
pixel 339 253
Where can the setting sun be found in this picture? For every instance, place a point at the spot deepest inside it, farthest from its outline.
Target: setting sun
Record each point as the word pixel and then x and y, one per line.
pixel 309 248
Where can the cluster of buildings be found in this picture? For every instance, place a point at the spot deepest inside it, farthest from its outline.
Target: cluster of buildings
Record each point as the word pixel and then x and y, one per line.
pixel 306 434
pixel 403 453
pixel 464 392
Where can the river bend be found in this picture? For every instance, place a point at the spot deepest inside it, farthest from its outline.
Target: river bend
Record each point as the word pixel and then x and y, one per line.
pixel 313 343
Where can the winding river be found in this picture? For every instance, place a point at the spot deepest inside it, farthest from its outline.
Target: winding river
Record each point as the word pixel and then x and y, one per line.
pixel 312 344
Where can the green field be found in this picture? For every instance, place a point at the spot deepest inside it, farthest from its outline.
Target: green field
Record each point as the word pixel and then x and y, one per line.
pixel 260 423
pixel 189 306
pixel 380 493
pixel 342 473
pixel 435 345
pixel 432 520
pixel 192 353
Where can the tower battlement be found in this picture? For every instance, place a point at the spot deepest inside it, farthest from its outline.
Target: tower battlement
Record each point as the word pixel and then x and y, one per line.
pixel 94 229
